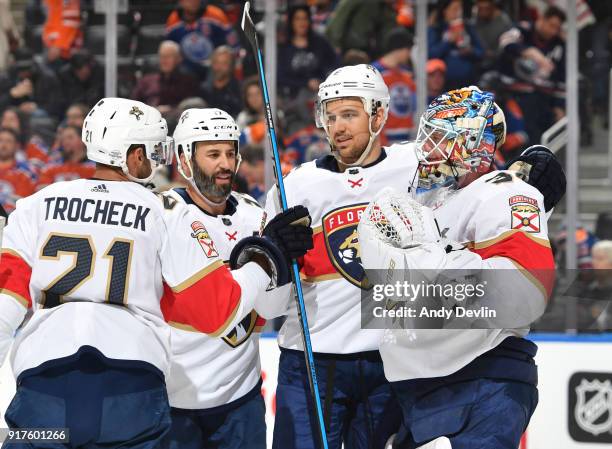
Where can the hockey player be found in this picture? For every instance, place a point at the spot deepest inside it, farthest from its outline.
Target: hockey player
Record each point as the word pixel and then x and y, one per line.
pixel 214 385
pixel 359 409
pixel 87 258
pixel 464 388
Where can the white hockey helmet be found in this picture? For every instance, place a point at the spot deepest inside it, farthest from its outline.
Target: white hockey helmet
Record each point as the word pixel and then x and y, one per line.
pixel 114 124
pixel 203 125
pixel 363 81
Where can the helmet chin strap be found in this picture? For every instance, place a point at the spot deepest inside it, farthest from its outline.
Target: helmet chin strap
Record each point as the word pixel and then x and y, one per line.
pixel 142 181
pixel 366 151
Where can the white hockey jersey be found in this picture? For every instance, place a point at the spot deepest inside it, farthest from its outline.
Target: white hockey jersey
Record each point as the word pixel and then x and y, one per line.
pixel 88 257
pixel 502 222
pixel 207 372
pixel 331 272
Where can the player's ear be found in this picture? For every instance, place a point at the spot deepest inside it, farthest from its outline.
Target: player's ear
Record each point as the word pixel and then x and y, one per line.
pixel 183 162
pixel 136 158
pixel 377 119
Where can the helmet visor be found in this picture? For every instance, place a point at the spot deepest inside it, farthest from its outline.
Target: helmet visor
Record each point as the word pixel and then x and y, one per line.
pixel 160 152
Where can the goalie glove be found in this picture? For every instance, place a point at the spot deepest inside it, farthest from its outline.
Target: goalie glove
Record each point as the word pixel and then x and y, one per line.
pixel 397 233
pixel 538 166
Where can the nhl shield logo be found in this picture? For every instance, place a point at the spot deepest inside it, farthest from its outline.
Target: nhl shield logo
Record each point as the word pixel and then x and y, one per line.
pixel 340 231
pixel 593 410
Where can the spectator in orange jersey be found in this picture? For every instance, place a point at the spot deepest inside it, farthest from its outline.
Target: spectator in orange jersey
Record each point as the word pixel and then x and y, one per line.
pixel 75 164
pixel 15 177
pixel 393 66
pixel 30 149
pixel 62 31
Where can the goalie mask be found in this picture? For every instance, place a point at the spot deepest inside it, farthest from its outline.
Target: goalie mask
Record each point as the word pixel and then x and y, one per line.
pixel 360 81
pixel 205 125
pixel 458 135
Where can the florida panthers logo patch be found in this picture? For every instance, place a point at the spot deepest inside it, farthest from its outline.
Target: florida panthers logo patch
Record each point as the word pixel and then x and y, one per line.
pixel 203 237
pixel 525 213
pixel 340 230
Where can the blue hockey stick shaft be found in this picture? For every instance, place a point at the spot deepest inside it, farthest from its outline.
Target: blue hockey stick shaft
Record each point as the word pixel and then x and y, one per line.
pixel 295 272
pixel 294 265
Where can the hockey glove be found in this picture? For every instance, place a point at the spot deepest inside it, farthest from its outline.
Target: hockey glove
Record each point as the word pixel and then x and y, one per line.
pixel 291 232
pixel 265 253
pixel 538 166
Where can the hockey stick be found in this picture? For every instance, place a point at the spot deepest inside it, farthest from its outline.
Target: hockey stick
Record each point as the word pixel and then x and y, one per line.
pixel 251 34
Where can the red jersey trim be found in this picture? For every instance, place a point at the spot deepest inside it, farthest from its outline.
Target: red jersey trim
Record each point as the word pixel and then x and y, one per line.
pixel 315 265
pixel 531 255
pixel 207 302
pixel 15 276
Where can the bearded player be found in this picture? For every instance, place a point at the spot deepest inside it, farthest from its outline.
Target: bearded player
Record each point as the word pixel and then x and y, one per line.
pixel 464 388
pixel 94 267
pixel 214 385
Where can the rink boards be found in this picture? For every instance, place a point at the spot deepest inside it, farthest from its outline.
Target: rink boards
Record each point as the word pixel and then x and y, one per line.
pixel 575 387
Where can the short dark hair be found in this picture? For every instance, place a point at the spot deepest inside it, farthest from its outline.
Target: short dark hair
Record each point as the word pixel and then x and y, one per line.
pixel 555 11
pixel 133 147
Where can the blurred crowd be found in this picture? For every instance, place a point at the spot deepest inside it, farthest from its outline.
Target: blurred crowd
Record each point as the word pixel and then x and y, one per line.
pixel 177 54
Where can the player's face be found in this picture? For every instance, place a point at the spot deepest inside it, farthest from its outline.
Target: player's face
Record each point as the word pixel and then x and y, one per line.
pixel 214 167
pixel 347 126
